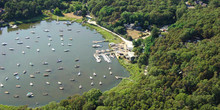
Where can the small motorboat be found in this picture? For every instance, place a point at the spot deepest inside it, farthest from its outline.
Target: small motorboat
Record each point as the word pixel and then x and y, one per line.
pixel 80 86
pixel 46 75
pixel 70 39
pixel 2 68
pixel 6 78
pixel 77 66
pixel 32 32
pixel 58 61
pixel 72 79
pixel 45 94
pixel 69 29
pixel 37 72
pixel 6 92
pixel 110 73
pixel 31 64
pixel 3 53
pixel 69 44
pixel 24 72
pixel 48 35
pixel 18 64
pixel 61 39
pixel 61 35
pixel 18 86
pixel 17 77
pixel 100 83
pixel 38 36
pixel 49 44
pixel 16 73
pixel 104 76
pixel 68 23
pixel 27 37
pixel 4 44
pixel 60 68
pixel 61 30
pixel 19 42
pixel 45 63
pixel 61 88
pixel 53 49
pixel 16 96
pixel 1 85
pixel 28 47
pixel 31 84
pixel 50 39
pixel 79 74
pixel 91 77
pixel 38 50
pixel 92 83
pixel 30 94
pixel 109 68
pixel 11 49
pixel 66 50
pixel 48 83
pixel 23 52
pixel 94 74
pixel 76 60
pixel 32 76
pixel 17 38
pixel 59 83
pixel 46 30
pixel 62 44
pixel 48 70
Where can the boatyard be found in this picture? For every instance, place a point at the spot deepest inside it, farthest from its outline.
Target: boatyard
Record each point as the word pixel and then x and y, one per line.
pixel 43 61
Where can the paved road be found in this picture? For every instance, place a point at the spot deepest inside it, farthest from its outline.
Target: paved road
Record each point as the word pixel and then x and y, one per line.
pixel 127 42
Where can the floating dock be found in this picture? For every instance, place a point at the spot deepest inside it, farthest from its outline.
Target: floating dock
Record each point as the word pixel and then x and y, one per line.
pixel 106 58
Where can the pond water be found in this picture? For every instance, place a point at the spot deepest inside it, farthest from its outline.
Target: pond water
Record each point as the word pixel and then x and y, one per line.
pixel 81 49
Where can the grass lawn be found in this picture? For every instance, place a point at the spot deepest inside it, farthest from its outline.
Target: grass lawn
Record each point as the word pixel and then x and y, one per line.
pixel 108 36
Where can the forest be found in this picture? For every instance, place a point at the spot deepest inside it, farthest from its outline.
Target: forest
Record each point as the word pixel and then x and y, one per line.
pixel 183 65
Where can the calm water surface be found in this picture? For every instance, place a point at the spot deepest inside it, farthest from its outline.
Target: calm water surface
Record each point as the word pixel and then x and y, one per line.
pixel 81 48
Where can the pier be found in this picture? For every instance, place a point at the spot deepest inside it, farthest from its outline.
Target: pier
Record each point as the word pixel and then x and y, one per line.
pixel 121 77
pixel 95 42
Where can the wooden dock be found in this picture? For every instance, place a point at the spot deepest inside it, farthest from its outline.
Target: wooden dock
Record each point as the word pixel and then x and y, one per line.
pixel 121 77
pixel 95 42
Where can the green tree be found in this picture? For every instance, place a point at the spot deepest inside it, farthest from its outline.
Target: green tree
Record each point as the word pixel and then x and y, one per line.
pixel 120 30
pixel 142 60
pixel 57 11
pixel 155 32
